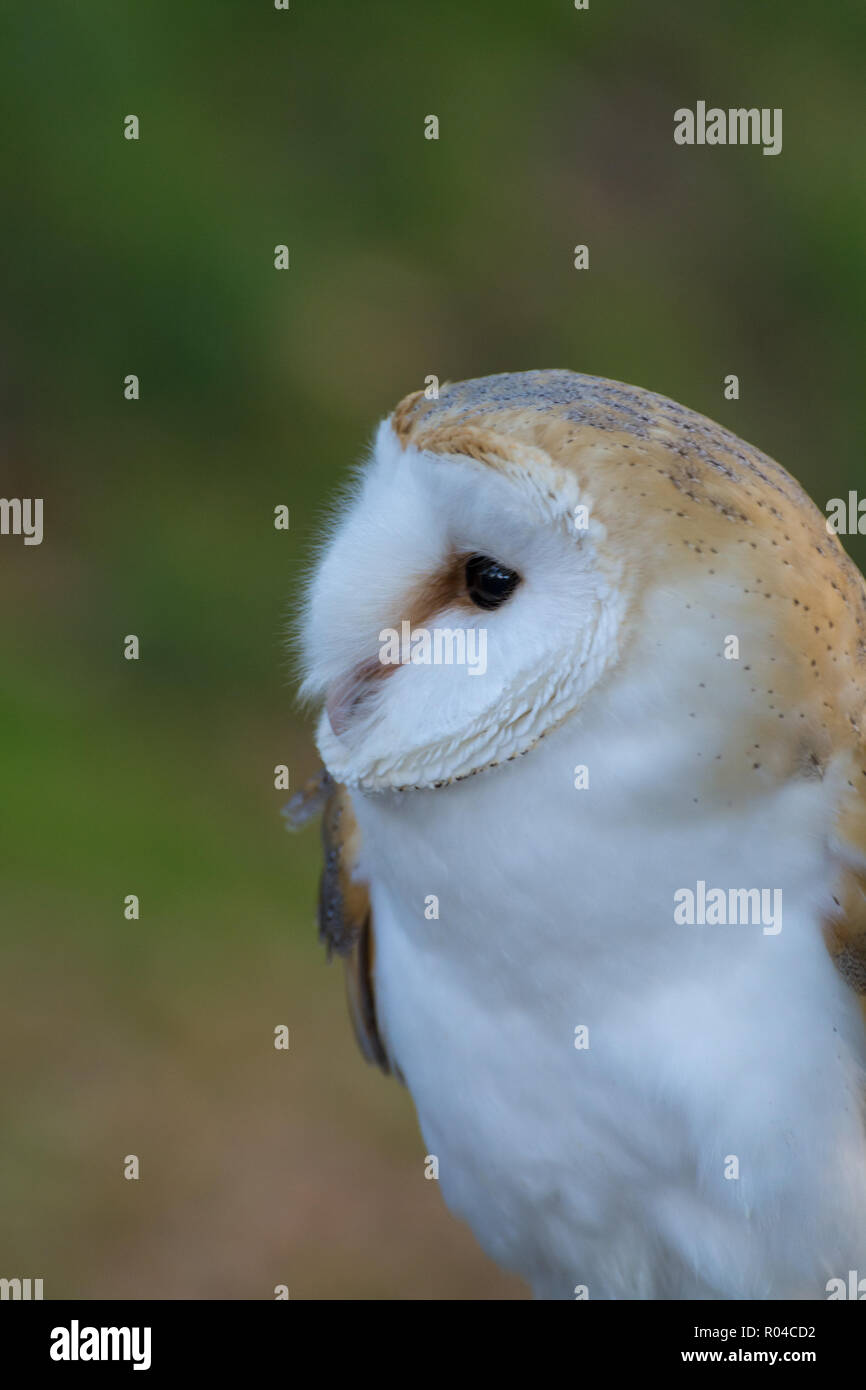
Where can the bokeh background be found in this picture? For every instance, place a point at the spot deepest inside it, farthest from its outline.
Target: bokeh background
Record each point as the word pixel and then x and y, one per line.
pixel 259 387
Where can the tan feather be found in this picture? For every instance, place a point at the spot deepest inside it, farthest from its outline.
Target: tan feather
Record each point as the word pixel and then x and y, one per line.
pixel 846 925
pixel 345 917
pixel 346 920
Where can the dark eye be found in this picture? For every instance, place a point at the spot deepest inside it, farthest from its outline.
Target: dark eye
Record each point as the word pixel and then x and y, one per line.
pixel 488 583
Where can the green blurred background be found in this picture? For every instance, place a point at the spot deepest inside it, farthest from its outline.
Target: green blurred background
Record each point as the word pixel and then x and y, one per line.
pixel 259 387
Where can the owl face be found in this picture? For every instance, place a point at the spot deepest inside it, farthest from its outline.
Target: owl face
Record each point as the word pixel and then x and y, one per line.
pixel 461 609
pixel 545 527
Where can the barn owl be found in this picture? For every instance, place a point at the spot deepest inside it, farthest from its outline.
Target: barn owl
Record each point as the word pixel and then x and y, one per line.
pixel 603 902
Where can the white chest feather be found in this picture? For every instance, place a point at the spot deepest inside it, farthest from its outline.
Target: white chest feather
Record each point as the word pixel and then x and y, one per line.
pixel 705 1136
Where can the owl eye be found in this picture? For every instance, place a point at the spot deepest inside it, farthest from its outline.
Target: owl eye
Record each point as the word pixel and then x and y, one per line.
pixel 488 583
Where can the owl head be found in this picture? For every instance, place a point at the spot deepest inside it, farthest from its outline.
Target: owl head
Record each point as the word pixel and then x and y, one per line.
pixel 505 546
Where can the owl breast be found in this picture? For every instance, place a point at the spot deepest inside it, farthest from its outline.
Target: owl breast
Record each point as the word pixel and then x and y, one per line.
pixel 589 1070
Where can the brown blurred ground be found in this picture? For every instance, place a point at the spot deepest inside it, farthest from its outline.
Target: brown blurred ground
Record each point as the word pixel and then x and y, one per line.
pixel 258 1167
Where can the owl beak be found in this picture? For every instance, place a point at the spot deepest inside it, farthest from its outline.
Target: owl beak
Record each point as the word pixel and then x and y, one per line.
pixel 348 693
